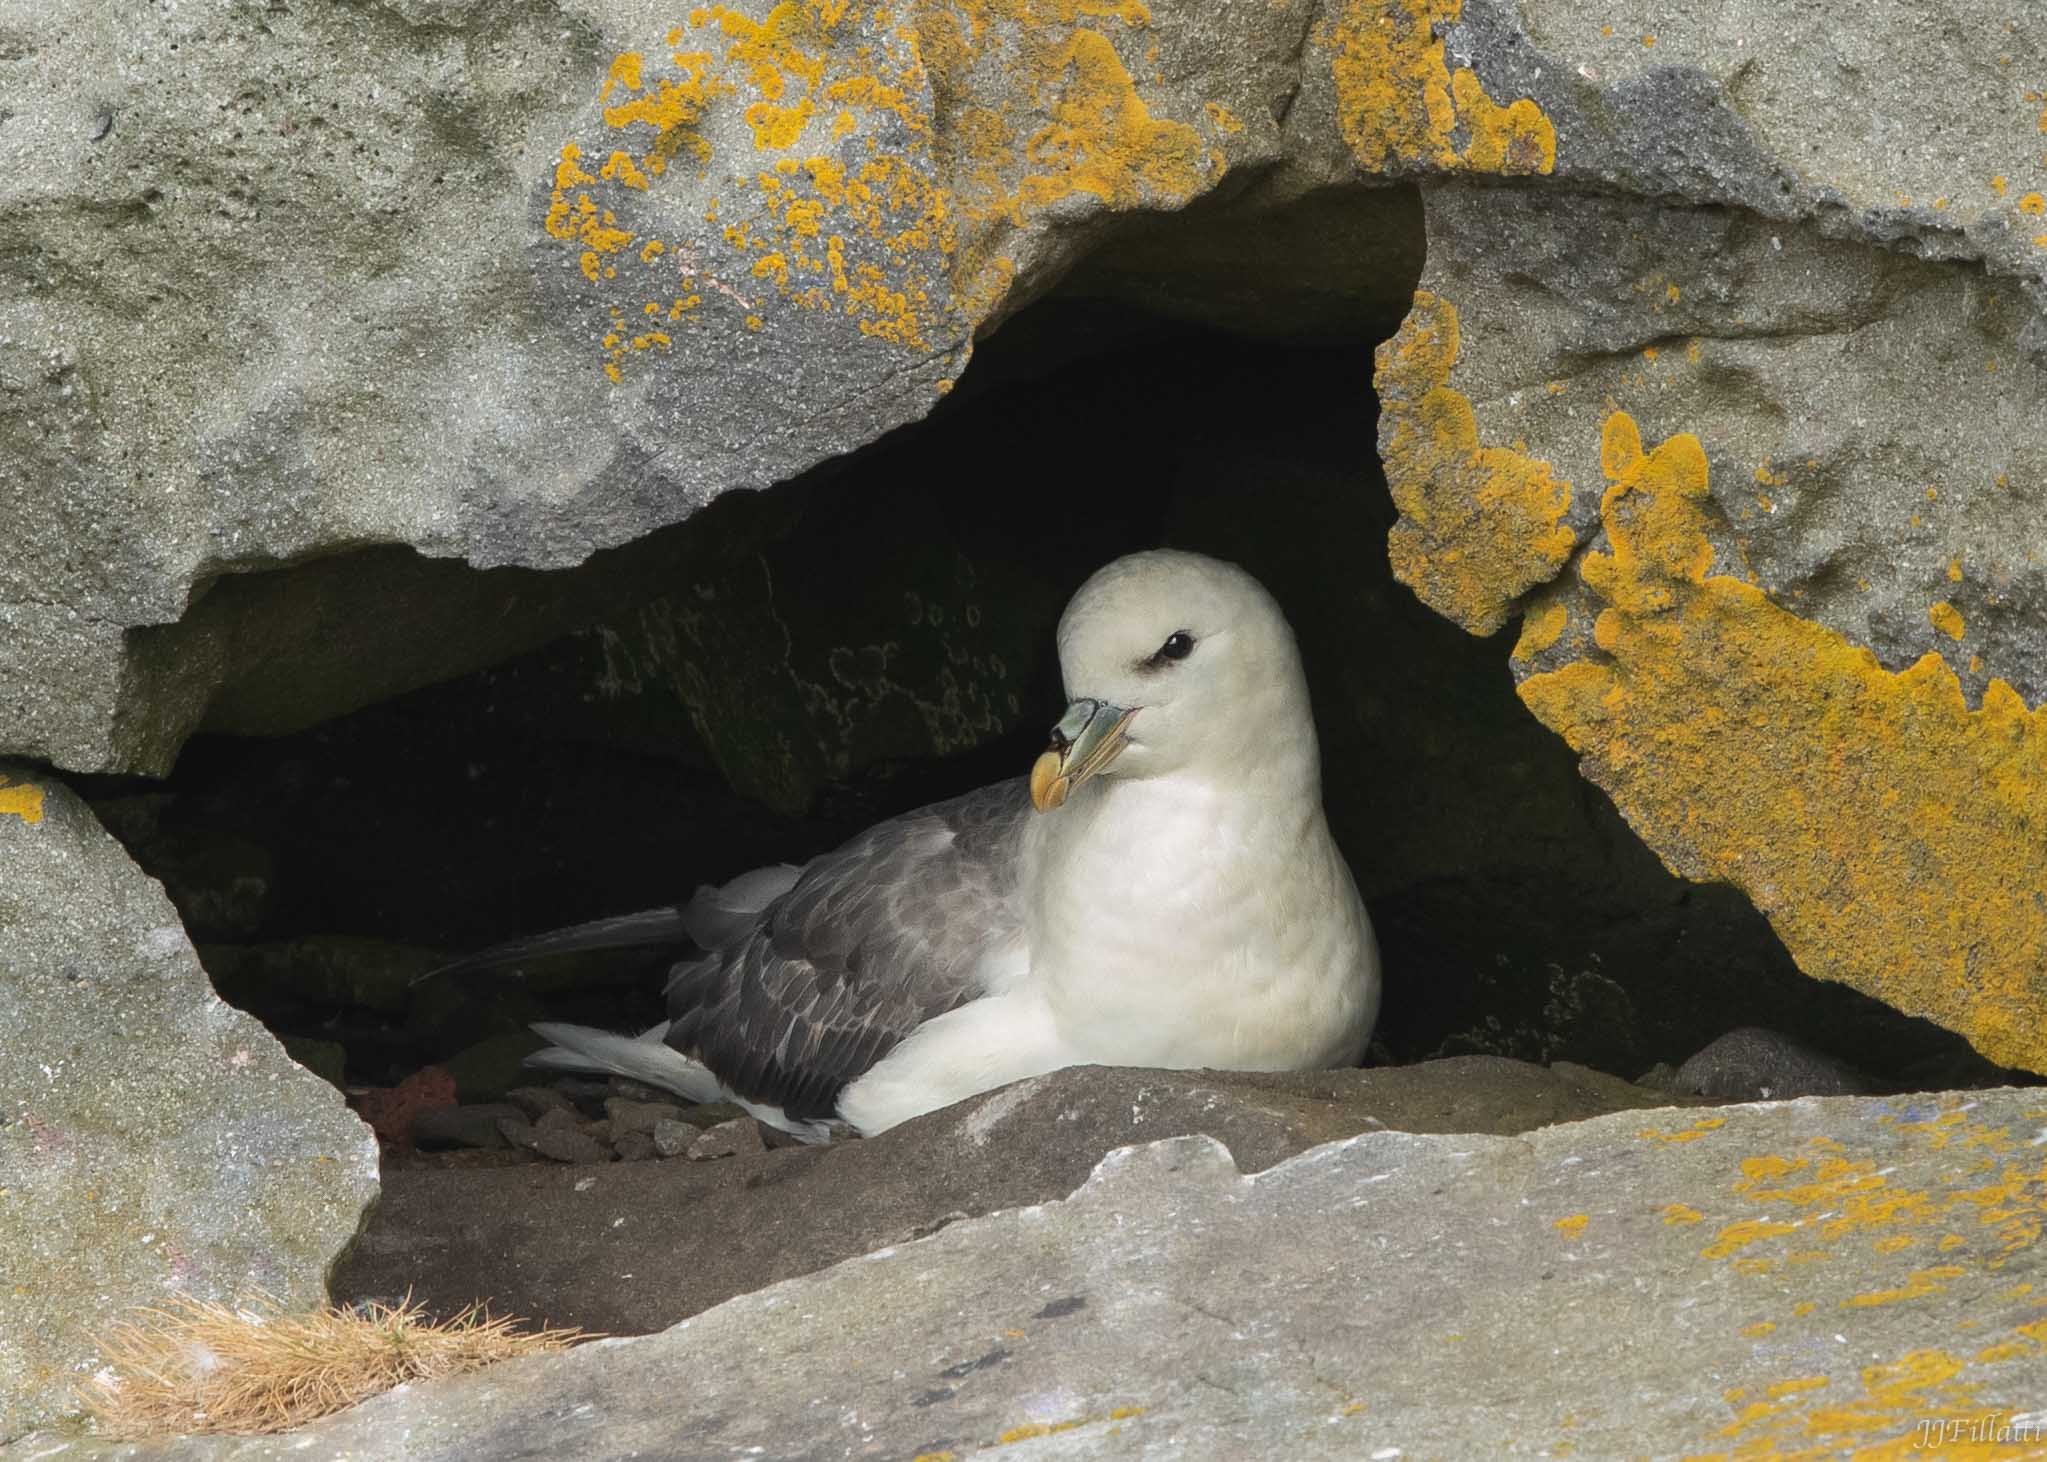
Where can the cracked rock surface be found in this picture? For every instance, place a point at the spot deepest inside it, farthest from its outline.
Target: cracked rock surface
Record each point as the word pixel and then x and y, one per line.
pixel 1828 1264
pixel 153 1141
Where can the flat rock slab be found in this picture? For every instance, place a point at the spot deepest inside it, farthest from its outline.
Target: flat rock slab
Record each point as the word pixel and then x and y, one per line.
pixel 1812 1277
pixel 153 1141
pixel 626 1248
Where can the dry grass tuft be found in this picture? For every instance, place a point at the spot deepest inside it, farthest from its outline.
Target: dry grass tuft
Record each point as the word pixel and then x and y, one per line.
pixel 199 1366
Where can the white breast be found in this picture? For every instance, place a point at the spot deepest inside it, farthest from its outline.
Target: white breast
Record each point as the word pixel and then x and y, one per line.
pixel 1176 923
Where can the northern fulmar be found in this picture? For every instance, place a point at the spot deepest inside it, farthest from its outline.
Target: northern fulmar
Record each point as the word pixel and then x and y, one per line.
pixel 1162 890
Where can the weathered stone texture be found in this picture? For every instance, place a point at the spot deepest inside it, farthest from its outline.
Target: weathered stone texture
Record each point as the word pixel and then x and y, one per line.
pixel 1754 455
pixel 153 1141
pixel 1804 1277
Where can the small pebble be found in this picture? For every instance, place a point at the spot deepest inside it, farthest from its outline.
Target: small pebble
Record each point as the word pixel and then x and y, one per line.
pixel 537 1101
pixel 632 1116
pixel 560 1136
pixel 728 1139
pixel 673 1139
pixel 475 1125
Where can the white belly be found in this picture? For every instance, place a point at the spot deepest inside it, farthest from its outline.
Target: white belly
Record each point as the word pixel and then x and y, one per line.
pixel 1179 927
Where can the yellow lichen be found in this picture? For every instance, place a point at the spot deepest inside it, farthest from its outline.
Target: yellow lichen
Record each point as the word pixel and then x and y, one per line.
pixel 1918 1284
pixel 902 228
pixel 1479 525
pixel 1542 628
pixel 1947 619
pixel 1101 139
pixel 1893 836
pixel 21 799
pixel 1572 1226
pixel 1399 105
pixel 1702 1127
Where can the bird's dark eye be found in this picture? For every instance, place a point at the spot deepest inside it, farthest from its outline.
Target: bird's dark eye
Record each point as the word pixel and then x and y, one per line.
pixel 1178 646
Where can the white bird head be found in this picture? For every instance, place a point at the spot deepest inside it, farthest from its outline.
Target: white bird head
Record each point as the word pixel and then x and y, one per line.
pixel 1174 662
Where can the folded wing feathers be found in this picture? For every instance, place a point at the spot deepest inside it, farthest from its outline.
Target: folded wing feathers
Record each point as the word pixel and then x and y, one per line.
pixel 869 943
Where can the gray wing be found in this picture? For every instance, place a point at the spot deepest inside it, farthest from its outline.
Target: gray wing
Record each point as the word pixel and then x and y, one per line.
pixel 872 940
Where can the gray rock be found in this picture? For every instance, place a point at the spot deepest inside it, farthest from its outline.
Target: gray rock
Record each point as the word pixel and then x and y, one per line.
pixel 728 1139
pixel 475 1124
pixel 327 1060
pixel 517 1132
pixel 1752 1064
pixel 537 1101
pixel 560 1136
pixel 1830 338
pixel 634 1146
pixel 639 1116
pixel 1392 1295
pixel 153 1141
pixel 673 1139
pixel 444 1235
pixel 521 382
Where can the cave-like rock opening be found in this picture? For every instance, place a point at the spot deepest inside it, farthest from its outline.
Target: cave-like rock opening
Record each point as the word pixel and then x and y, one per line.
pixel 786 667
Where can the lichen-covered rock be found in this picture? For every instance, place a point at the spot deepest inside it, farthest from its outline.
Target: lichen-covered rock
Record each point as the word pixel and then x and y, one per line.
pixel 153 1141
pixel 515 283
pixel 1751 453
pixel 1822 1277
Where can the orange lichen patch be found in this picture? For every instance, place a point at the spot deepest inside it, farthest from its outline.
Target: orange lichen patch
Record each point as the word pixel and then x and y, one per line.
pixel 1224 119
pixel 1102 140
pixel 1738 1236
pixel 1573 1225
pixel 1918 1284
pixel 21 799
pixel 1921 1405
pixel 1722 725
pixel 1947 619
pixel 1541 629
pixel 1479 525
pixel 581 222
pixel 1399 105
pixel 891 196
pixel 1679 1213
pixel 2033 205
pixel 1703 1127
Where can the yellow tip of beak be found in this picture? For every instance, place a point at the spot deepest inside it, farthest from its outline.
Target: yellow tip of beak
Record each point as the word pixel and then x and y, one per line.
pixel 1049 783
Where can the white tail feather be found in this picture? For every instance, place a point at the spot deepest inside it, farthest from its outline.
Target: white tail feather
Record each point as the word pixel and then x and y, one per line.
pixel 649 1058
pixel 645 1057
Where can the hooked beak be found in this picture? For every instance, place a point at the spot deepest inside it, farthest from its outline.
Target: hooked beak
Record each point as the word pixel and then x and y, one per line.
pixel 1088 737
